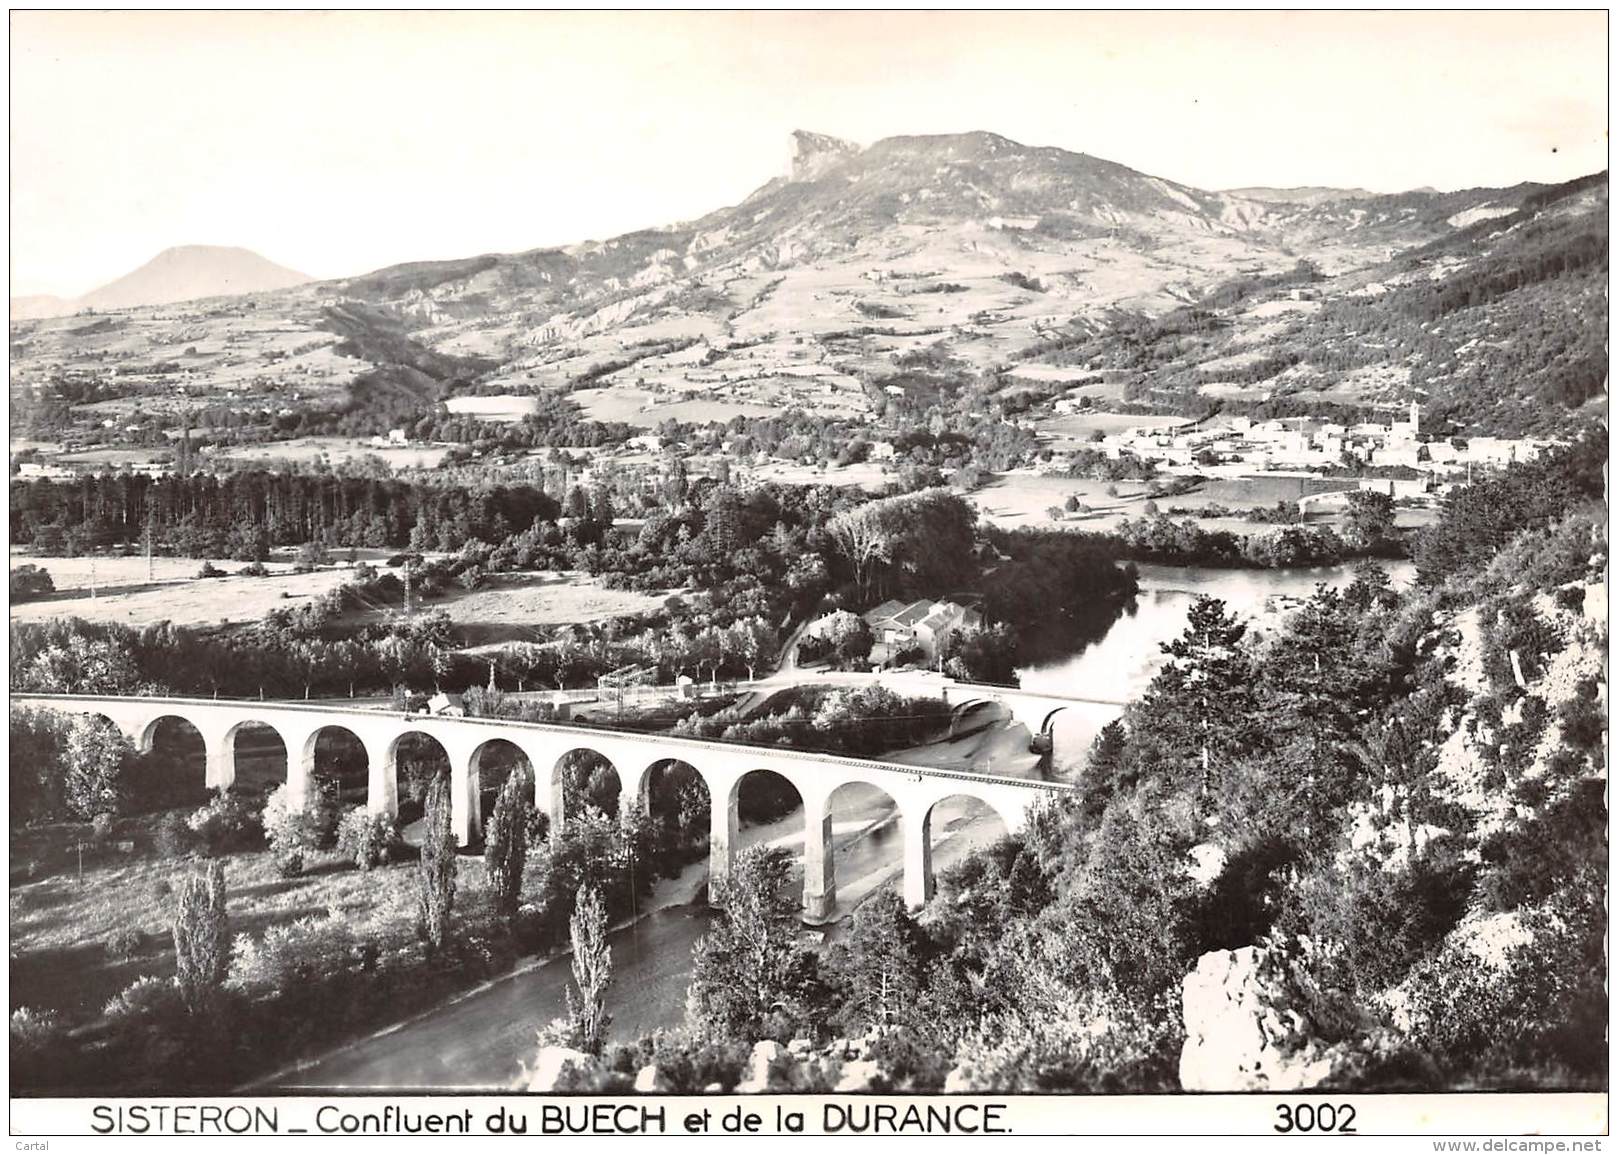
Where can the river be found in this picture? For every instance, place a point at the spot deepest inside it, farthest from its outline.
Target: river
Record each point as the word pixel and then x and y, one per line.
pixel 1122 663
pixel 483 1039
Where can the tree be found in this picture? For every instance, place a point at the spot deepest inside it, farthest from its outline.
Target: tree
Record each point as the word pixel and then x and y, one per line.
pixel 1201 707
pixel 884 966
pixel 437 865
pixel 749 966
pixel 83 665
pixel 95 754
pixel 592 972
pixel 1370 518
pixel 505 849
pixel 863 538
pixel 201 936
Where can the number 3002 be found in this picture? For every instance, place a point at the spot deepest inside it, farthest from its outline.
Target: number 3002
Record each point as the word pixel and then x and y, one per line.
pixel 1326 1118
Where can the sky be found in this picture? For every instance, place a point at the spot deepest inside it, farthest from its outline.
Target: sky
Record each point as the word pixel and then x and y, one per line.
pixel 337 143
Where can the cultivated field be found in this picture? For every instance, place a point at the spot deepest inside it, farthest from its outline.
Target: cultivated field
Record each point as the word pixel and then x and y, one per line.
pixel 511 606
pixel 505 407
pixel 1021 501
pixel 174 592
pixel 338 449
pixel 1079 426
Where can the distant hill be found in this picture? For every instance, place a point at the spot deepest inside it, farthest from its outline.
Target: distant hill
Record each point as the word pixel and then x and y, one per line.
pixel 43 305
pixel 183 273
pixel 190 272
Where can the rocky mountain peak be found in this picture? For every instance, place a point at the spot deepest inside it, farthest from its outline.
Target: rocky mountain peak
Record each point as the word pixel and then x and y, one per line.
pixel 813 153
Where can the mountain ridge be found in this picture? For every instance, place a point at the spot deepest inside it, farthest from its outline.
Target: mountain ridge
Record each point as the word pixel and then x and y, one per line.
pixel 973 253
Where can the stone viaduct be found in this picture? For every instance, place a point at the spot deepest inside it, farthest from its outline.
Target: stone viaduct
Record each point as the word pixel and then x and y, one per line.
pixel 915 790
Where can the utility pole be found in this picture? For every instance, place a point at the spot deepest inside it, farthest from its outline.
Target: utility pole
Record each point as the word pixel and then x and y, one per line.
pixel 92 577
pixel 149 571
pixel 407 585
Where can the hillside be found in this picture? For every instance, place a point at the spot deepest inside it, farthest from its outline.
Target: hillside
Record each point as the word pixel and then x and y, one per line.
pixel 1027 269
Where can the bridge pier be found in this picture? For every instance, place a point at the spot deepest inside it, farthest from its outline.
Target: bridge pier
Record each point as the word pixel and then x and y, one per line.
pixel 819 868
pixel 220 759
pixel 300 766
pixel 465 798
pixel 547 791
pixel 382 782
pixel 918 857
pixel 724 831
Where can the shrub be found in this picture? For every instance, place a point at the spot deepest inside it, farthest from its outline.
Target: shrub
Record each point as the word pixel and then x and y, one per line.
pixel 255 569
pixel 290 955
pixel 292 833
pixel 42 1055
pixel 368 839
pixel 145 1000
pixel 123 944
pixel 1571 598
pixel 101 829
pixel 30 581
pixel 228 822
pixel 172 837
pixel 209 570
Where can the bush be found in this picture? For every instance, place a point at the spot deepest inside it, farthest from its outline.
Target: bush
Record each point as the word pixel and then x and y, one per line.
pixel 41 1053
pixel 228 822
pixel 101 829
pixel 209 570
pixel 368 839
pixel 291 955
pixel 1571 598
pixel 172 837
pixel 290 832
pixel 147 999
pixel 256 569
pixel 123 944
pixel 30 581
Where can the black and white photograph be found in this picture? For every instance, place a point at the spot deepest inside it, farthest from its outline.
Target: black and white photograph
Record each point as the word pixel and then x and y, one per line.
pixel 943 571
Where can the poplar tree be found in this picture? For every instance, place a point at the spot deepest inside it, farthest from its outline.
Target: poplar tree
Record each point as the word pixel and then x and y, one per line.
pixel 592 972
pixel 201 935
pixel 437 865
pixel 505 847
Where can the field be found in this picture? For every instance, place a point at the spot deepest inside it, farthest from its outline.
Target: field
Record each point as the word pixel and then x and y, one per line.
pixel 338 449
pixel 511 606
pixel 642 408
pixel 505 407
pixel 174 593
pixel 1079 426
pixel 1021 501
pixel 867 475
